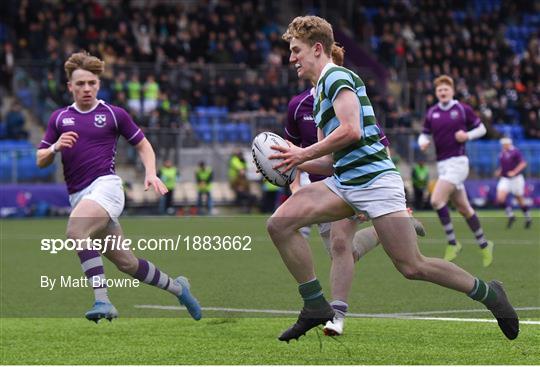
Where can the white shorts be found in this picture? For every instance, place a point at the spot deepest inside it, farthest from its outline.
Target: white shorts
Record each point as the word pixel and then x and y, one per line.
pixel 385 195
pixel 513 185
pixel 454 170
pixel 107 191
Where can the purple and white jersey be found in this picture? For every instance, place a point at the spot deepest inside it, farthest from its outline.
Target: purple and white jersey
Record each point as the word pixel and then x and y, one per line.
pixel 93 154
pixel 300 128
pixel 509 160
pixel 443 123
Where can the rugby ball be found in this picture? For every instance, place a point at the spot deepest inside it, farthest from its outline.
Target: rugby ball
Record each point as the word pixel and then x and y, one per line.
pixel 260 149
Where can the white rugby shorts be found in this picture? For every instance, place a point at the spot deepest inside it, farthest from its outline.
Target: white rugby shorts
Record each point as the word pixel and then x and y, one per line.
pixel 385 195
pixel 513 185
pixel 454 170
pixel 107 191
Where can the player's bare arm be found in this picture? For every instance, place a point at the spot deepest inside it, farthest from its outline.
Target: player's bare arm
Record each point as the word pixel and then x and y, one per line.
pixel 461 136
pixel 148 158
pixel 45 156
pixel 319 166
pixel 519 168
pixel 347 111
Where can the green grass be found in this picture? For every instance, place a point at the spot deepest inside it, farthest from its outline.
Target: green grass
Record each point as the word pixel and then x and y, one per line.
pixel 253 341
pixel 39 326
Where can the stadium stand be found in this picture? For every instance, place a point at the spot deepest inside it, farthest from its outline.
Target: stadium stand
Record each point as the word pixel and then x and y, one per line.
pixel 496 61
pixel 18 162
pixel 217 79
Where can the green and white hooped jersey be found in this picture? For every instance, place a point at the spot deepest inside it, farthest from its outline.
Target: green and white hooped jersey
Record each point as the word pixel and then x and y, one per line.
pixel 360 163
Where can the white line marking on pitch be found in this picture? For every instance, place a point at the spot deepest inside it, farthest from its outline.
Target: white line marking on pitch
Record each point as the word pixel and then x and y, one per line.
pixel 438 241
pixel 449 312
pixel 406 316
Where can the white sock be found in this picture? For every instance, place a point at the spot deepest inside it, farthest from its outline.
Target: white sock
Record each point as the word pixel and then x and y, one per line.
pixel 101 295
pixel 340 308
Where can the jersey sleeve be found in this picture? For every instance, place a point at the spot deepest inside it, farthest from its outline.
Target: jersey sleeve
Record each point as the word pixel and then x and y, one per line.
pixel 471 118
pixel 127 127
pixel 292 132
pixel 335 81
pixel 51 134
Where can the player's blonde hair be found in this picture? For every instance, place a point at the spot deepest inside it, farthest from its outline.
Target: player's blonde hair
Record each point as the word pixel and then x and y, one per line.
pixel 443 79
pixel 83 60
pixel 311 29
pixel 338 54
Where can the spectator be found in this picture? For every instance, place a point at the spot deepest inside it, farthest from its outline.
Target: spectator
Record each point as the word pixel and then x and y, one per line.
pixel 269 201
pixel 239 182
pixel 134 89
pixel 532 125
pixel 169 175
pixel 119 85
pixel 51 88
pixel 237 167
pixel 420 180
pixel 7 57
pixel 204 177
pixel 15 123
pixel 151 94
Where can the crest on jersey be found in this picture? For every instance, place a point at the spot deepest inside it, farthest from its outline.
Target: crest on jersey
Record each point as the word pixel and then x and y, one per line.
pixel 453 114
pixel 436 115
pixel 100 120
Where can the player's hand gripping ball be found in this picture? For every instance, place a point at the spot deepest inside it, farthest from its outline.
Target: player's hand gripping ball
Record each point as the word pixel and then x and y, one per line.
pixel 260 149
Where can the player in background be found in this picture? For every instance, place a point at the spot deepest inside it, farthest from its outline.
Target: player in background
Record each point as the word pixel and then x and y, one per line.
pixel 450 124
pixel 85 133
pixel 302 131
pixel 511 181
pixel 363 180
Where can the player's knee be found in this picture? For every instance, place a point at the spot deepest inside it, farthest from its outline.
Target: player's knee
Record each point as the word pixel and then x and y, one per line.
pixel 274 226
pixel 340 246
pixel 412 271
pixel 437 203
pixel 465 210
pixel 75 232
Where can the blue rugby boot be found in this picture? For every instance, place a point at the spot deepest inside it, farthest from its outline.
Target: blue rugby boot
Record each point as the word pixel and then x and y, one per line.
pixel 101 310
pixel 187 299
